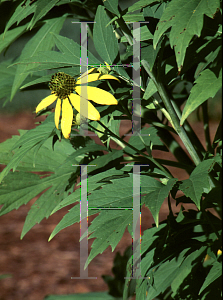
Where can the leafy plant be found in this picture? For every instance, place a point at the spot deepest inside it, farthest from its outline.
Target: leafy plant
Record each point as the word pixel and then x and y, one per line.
pixel 180 68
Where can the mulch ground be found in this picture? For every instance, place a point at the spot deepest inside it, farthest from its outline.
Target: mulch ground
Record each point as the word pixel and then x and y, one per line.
pixel 38 267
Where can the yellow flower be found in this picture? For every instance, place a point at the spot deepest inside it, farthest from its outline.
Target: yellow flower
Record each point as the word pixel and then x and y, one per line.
pixel 219 252
pixel 63 85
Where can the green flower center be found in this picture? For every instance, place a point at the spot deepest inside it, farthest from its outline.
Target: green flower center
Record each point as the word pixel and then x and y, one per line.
pixel 62 85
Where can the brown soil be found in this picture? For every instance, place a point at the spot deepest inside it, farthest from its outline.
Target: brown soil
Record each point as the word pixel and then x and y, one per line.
pixel 38 267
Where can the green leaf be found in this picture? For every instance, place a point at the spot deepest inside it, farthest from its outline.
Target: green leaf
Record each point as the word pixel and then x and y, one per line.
pixel 106 197
pixel 155 10
pixel 149 135
pixel 149 236
pixel 72 217
pixel 215 273
pixel 42 8
pixel 69 56
pixel 11 36
pixel 149 239
pixel 185 269
pixel 134 18
pixel 42 40
pixel 93 183
pixel 47 60
pixel 85 150
pixel 186 20
pixel 112 6
pixel 28 141
pixel 42 79
pixel 165 275
pixel 198 183
pixel 71 48
pixel 82 296
pixel 149 54
pixel 183 272
pixel 45 204
pixel 114 221
pixel 150 90
pixel 73 71
pixel 155 198
pixel 62 2
pixel 173 272
pixel 144 33
pixel 218 135
pixel 121 71
pixel 207 85
pixel 140 4
pixel 141 290
pixel 103 160
pixel 104 38
pixel 7 77
pixel 212 49
pixel 45 162
pixel 20 14
pixel 20 187
pixel 113 224
pixel 114 124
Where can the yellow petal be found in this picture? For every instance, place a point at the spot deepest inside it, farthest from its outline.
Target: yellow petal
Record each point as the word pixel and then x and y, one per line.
pixel 46 102
pixel 91 70
pixel 67 118
pixel 90 78
pixel 107 76
pixel 84 107
pixel 98 95
pixel 88 72
pixel 96 76
pixel 57 113
pixel 107 65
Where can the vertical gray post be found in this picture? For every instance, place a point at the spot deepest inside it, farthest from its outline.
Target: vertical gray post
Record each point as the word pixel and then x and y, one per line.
pixel 136 266
pixel 83 225
pixel 83 69
pixel 136 103
pixel 136 222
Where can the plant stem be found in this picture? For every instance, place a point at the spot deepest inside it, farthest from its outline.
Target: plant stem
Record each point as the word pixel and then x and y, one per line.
pixel 125 29
pixel 175 120
pixel 166 162
pixel 111 88
pixel 179 129
pixel 175 164
pixel 167 173
pixel 122 145
pixel 206 127
pixel 194 139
